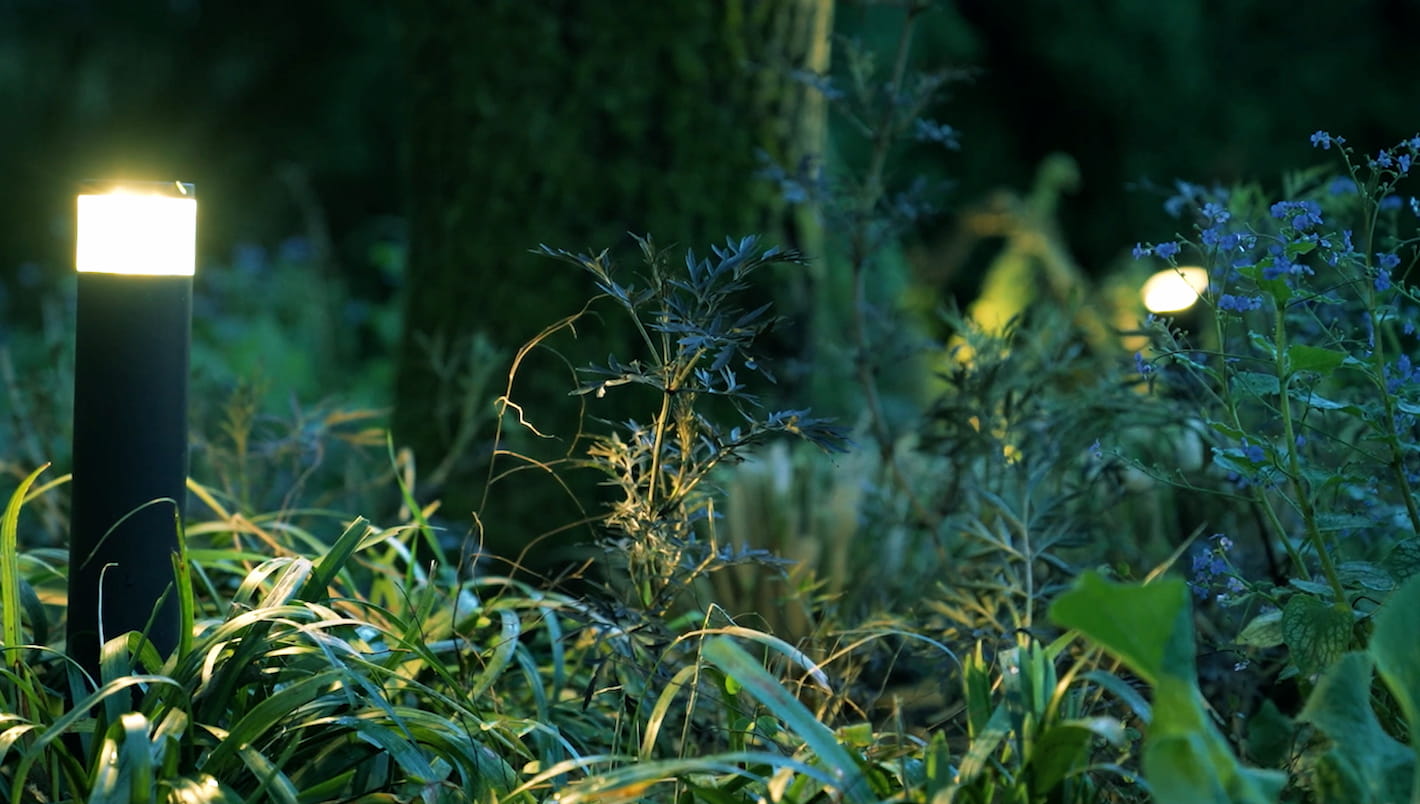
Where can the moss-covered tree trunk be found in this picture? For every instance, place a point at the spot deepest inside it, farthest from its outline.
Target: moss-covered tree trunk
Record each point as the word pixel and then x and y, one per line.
pixel 572 123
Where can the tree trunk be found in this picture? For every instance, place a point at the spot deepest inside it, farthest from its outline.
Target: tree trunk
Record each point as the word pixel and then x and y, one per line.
pixel 571 124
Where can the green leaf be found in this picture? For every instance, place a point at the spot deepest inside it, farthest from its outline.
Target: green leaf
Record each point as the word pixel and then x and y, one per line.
pixel 984 744
pixel 1396 648
pixel 1063 746
pixel 1147 626
pixel 1365 575
pixel 1269 735
pixel 1408 407
pixel 1263 631
pixel 976 680
pixel 734 661
pixel 1263 344
pixel 1301 357
pixel 1316 633
pixel 1227 430
pixel 1366 764
pixel 1255 383
pixel 1403 560
pixel 1333 522
pixel 1179 772
pixel 1276 288
pixel 1318 402
pixel 333 561
pixel 10 603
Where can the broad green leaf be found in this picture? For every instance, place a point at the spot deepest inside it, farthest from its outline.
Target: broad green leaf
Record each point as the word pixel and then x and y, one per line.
pixel 1301 357
pixel 1366 764
pixel 1227 430
pixel 1319 590
pixel 1366 575
pixel 1065 745
pixel 1263 344
pixel 1270 735
pixel 1395 644
pixel 1146 626
pixel 1254 383
pixel 1316 633
pixel 1403 560
pixel 1179 772
pixel 1318 402
pixel 1330 522
pixel 1276 288
pixel 1263 631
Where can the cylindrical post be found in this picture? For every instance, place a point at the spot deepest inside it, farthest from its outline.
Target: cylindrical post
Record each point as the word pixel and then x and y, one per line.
pixel 130 420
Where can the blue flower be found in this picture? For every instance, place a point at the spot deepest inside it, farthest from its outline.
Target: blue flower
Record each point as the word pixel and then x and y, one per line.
pixel 1390 202
pixel 1238 304
pixel 1341 185
pixel 1383 159
pixel 1141 365
pixel 1215 212
pixel 1141 251
pixel 1177 203
pixel 1382 281
pixel 1403 372
pixel 1254 453
pixel 1387 260
pixel 940 133
pixel 1301 214
pixel 1167 249
pixel 1403 163
pixel 1324 141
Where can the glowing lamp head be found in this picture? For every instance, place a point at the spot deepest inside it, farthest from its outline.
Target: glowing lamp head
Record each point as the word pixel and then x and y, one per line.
pixel 140 228
pixel 1174 290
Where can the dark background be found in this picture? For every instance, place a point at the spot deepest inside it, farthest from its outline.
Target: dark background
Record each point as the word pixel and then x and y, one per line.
pixel 290 115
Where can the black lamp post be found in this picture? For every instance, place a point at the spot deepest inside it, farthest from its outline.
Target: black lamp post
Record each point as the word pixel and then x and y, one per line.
pixel 135 260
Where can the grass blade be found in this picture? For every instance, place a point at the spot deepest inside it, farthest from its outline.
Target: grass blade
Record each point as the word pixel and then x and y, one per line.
pixel 745 669
pixel 10 602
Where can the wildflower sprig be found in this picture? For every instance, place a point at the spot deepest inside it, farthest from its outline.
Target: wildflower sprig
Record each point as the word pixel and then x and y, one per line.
pixel 697 344
pixel 1313 392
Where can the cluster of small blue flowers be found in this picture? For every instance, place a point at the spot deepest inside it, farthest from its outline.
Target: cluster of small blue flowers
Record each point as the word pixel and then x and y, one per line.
pixel 1390 163
pixel 1324 141
pixel 1230 303
pixel 1384 263
pixel 1301 215
pixel 1400 373
pixel 940 133
pixel 1142 366
pixel 1166 250
pixel 1211 570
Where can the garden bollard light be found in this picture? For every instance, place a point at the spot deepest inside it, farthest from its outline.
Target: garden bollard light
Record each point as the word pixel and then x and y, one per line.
pixel 135 255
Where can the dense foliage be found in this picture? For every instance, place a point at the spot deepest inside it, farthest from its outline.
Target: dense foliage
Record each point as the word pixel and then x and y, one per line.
pixel 1045 548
